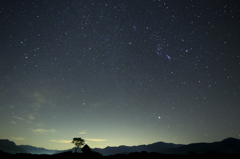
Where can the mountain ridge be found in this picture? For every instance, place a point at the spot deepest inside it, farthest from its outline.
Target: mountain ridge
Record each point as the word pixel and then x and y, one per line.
pixel 10 147
pixel 155 147
pixel 228 145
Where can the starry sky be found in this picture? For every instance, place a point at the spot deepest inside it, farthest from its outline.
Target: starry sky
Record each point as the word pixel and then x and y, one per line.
pixel 119 72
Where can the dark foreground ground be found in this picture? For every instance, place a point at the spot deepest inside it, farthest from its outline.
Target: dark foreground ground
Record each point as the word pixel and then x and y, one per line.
pixel 137 155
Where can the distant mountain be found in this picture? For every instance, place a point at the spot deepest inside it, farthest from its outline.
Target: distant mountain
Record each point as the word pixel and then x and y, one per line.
pixel 155 147
pixel 37 150
pixel 10 147
pixel 229 145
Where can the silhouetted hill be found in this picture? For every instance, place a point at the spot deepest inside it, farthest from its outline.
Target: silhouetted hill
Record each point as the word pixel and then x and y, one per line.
pixel 37 150
pixel 155 147
pixel 10 147
pixel 161 146
pixel 230 145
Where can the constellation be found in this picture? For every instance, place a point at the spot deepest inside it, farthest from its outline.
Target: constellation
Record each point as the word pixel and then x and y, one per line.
pixel 160 51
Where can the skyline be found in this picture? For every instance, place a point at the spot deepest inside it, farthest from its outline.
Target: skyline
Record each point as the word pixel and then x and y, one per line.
pixel 119 72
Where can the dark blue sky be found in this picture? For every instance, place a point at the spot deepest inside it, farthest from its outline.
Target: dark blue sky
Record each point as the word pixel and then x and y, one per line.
pixel 119 72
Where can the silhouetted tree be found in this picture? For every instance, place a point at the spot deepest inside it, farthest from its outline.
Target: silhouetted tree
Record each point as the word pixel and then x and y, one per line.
pixel 86 149
pixel 78 142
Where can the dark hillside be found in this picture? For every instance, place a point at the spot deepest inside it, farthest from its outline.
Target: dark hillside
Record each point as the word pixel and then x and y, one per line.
pixel 10 147
pixel 230 145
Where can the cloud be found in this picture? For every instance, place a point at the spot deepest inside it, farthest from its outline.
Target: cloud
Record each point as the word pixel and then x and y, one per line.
pixel 19 118
pixel 96 140
pixel 62 141
pixel 18 138
pixel 31 117
pixel 13 122
pixel 83 132
pixel 69 141
pixel 42 131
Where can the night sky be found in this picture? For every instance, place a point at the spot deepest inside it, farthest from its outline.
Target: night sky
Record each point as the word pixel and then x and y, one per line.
pixel 119 72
